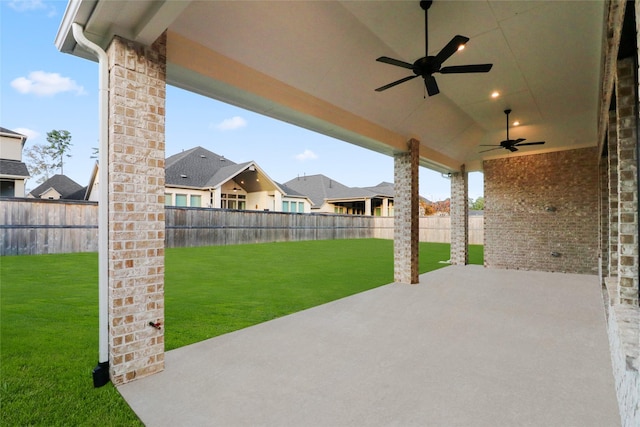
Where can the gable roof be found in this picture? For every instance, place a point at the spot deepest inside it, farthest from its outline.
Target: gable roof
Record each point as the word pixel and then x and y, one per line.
pixel 200 168
pixel 320 188
pixel 194 168
pixel 62 184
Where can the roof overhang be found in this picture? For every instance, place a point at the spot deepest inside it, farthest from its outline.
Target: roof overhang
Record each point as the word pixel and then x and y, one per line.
pixel 313 64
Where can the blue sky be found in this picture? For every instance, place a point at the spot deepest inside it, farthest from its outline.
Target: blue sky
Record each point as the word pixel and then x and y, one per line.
pixel 43 89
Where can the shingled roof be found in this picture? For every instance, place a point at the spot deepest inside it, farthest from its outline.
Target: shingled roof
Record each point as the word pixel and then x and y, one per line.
pixel 199 168
pixel 13 168
pixel 10 132
pixel 320 188
pixel 68 188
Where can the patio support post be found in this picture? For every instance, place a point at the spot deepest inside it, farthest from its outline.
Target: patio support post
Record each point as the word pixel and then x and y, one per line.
pixel 627 111
pixel 367 206
pixel 459 217
pixel 406 219
pixel 612 149
pixel 137 81
pixel 603 211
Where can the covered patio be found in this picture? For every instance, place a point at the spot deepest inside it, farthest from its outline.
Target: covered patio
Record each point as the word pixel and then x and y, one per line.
pixel 567 71
pixel 467 346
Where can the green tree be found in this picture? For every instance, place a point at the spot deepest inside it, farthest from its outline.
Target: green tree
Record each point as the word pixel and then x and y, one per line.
pixel 478 204
pixel 59 144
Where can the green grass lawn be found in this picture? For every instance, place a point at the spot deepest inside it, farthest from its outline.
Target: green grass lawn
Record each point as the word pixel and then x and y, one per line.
pixel 49 325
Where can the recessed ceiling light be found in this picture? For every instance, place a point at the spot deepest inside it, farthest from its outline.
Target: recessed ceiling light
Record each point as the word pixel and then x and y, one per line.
pixel 516 123
pixel 495 94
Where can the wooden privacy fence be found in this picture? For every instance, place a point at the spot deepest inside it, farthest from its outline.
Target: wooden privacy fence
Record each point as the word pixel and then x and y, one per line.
pixel 434 229
pixel 36 226
pixel 205 227
pixel 39 226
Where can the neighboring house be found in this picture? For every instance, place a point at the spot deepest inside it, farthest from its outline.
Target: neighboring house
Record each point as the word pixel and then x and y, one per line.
pixel 13 172
pixel 330 196
pixel 58 187
pixel 201 178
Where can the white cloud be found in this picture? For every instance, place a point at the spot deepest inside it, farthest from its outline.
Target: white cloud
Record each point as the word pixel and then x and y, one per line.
pixel 31 5
pixel 29 133
pixel 41 83
pixel 306 155
pixel 235 122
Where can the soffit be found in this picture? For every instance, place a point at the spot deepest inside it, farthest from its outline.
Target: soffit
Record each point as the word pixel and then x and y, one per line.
pixel 313 64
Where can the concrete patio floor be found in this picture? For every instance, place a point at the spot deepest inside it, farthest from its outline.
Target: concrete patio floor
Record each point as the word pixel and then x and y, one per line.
pixel 467 346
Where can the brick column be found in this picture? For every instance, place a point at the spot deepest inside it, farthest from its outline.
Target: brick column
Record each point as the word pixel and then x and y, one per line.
pixel 406 218
pixel 136 208
pixel 612 148
pixel 460 218
pixel 603 210
pixel 627 182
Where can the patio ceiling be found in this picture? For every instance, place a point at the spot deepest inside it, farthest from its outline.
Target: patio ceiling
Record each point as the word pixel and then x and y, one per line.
pixel 312 63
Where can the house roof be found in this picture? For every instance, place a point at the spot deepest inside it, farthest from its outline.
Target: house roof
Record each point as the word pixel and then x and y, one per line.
pixel 385 189
pixel 288 191
pixel 68 188
pixel 13 168
pixel 10 132
pixel 200 168
pixel 196 168
pixel 320 188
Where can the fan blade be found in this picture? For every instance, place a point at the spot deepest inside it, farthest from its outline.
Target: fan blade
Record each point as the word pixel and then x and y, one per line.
pixel 431 85
pixel 476 68
pixel 395 62
pixel 531 143
pixel 397 82
pixel 490 149
pixel 450 48
pixel 512 149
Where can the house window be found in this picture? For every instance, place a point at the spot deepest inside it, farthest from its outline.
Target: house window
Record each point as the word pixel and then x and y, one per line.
pixel 196 201
pixel 233 201
pixel 181 200
pixel 167 199
pixel 7 189
pixel 339 209
pixel 301 207
pixel 285 206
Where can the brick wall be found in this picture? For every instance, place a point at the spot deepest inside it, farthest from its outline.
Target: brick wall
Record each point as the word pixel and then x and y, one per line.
pixel 136 208
pixel 406 218
pixel 542 204
pixel 612 157
pixel 459 218
pixel 603 212
pixel 626 111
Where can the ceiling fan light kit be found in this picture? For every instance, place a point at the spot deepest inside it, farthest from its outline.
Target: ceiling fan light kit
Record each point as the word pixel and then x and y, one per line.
pixel 428 65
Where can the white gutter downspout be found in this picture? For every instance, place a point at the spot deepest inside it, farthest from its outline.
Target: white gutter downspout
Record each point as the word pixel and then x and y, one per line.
pixel 101 372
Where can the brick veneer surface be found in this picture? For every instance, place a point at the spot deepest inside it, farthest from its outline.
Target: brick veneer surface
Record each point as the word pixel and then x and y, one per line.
pixel 626 110
pixel 521 233
pixel 136 208
pixel 406 231
pixel 459 218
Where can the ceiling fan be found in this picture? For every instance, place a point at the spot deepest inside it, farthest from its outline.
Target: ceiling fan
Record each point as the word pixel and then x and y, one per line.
pixel 509 144
pixel 426 66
